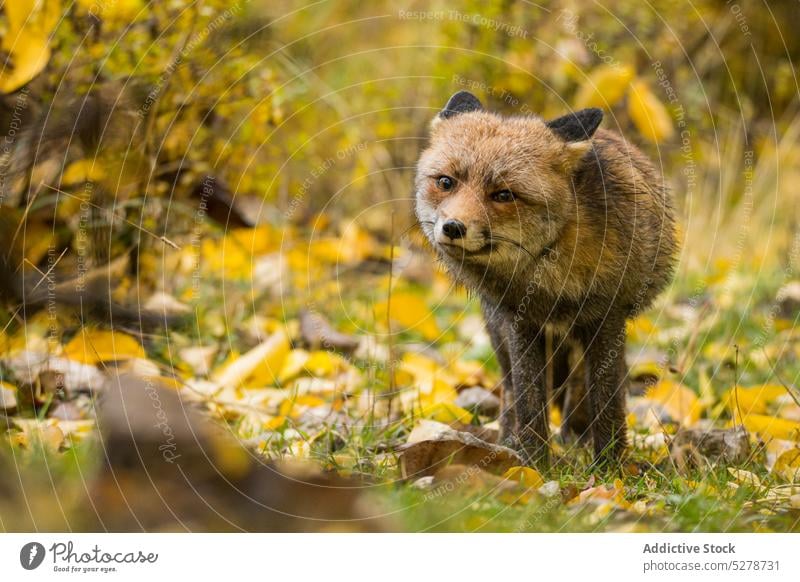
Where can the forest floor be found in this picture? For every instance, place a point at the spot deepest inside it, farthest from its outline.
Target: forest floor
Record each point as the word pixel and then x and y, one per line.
pixel 365 360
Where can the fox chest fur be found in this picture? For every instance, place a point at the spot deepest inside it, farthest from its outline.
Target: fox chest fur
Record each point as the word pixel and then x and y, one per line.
pixel 556 225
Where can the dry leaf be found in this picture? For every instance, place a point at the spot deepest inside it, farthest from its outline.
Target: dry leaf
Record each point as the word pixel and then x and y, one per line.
pixel 605 86
pixel 525 476
pixel 409 311
pixel 91 346
pixel 436 446
pixel 26 40
pixel 679 400
pixel 648 113
pixel 259 366
pixel 770 426
pixel 745 477
pixel 787 465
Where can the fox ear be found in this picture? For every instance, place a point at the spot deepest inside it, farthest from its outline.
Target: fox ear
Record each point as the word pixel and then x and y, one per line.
pixel 461 102
pixel 578 125
pixel 576 129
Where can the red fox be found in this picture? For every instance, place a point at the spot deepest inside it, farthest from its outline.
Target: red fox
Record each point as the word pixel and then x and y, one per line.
pixel 561 229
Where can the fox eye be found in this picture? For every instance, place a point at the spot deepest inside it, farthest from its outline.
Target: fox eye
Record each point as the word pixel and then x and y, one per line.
pixel 503 196
pixel 444 183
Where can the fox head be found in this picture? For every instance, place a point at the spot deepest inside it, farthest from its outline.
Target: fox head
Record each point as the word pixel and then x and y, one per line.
pixel 493 189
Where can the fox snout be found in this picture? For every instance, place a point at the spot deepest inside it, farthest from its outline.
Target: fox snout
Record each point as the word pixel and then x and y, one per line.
pixel 455 232
pixel 460 224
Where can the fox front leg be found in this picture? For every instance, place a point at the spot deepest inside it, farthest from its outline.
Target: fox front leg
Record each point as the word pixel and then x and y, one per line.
pixel 606 377
pixel 497 327
pixel 527 360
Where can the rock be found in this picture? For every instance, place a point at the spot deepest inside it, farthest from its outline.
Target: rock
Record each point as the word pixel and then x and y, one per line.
pixel 479 401
pixel 730 445
pixel 433 445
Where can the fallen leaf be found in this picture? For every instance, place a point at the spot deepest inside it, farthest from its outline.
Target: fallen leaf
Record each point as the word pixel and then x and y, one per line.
pixel 409 311
pixel 753 400
pixel 92 346
pixel 678 399
pixel 787 465
pixel 26 40
pixel 199 358
pixel 434 447
pixel 648 113
pixel 770 426
pixel 259 366
pixel 446 412
pixel 605 86
pixel 745 477
pixel 525 476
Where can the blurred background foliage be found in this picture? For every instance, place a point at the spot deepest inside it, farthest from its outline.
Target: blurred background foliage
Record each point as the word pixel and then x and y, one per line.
pixel 297 110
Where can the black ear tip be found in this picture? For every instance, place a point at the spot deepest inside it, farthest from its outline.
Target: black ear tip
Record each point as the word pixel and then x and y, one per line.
pixel 578 125
pixel 595 116
pixel 461 102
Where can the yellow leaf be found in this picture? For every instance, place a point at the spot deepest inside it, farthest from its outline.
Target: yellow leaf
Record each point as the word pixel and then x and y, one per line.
pixel 425 369
pixel 436 392
pixel 605 86
pixel 681 403
pixel 648 113
pixel 446 413
pixel 259 366
pixel 26 40
pixel 38 239
pixel 91 346
pixel 787 465
pixel 648 369
pixel 82 171
pixel 409 310
pixel 525 476
pixel 752 400
pixel 770 426
pixel 294 407
pixel 468 373
pixel 640 329
pixel 294 365
pixel 256 241
pixel 323 364
pixel 274 423
pixel 745 477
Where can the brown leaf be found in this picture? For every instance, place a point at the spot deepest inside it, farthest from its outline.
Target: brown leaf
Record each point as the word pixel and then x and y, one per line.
pixel 318 333
pixel 433 445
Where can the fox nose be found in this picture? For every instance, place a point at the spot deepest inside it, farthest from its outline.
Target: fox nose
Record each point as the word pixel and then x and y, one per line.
pixel 454 228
